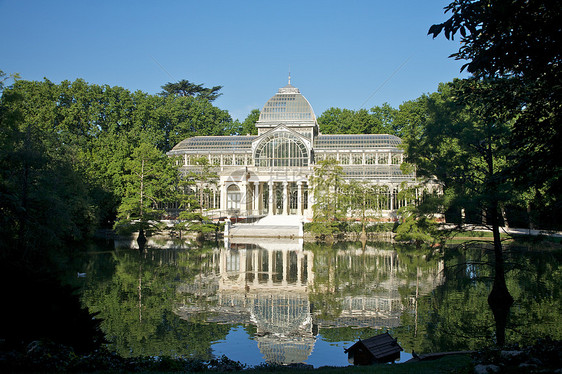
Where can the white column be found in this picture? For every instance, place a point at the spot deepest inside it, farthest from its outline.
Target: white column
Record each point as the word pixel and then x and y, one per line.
pixel 243 198
pixel 285 198
pixel 389 158
pixel 270 198
pixel 299 198
pixel 256 198
pixel 223 196
pixel 310 197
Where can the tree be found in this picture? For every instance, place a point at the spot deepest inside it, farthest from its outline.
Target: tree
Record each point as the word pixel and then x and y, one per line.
pixel 520 40
pixel 328 208
pixel 186 88
pixel 248 127
pixel 149 175
pixel 43 198
pixel 193 188
pixel 464 145
pixel 5 77
pixel 377 120
pixel 362 201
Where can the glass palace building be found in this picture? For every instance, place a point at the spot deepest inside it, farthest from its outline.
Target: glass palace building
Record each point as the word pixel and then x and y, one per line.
pixel 271 173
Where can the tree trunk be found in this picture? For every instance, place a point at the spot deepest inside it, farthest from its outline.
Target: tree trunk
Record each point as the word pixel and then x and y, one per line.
pixel 500 300
pixel 141 239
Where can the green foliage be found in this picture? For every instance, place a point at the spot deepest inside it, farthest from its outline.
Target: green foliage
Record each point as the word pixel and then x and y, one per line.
pixel 378 120
pixel 147 180
pixel 519 41
pixel 328 208
pixel 416 230
pixel 248 127
pixel 185 88
pixel 192 188
pixel 43 198
pixel 137 300
pixel 84 134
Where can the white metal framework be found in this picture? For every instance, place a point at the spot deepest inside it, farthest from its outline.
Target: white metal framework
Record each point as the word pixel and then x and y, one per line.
pixel 272 173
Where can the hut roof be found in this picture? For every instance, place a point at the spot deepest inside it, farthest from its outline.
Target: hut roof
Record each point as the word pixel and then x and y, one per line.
pixel 380 346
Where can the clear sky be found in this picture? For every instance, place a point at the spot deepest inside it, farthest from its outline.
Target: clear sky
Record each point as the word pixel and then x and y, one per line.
pixel 346 54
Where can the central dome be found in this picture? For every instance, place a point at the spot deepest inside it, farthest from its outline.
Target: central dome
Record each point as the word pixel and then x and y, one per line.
pixel 287 105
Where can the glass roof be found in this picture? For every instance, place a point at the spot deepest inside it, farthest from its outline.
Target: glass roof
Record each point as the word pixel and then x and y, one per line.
pixel 215 143
pixel 356 141
pixel 288 104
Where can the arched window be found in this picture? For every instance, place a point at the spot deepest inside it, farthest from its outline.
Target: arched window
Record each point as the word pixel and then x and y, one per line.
pixel 233 197
pixel 281 149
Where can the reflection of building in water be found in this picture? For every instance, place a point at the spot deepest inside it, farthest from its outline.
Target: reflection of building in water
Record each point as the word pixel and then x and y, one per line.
pixel 367 284
pixel 272 289
pixel 265 287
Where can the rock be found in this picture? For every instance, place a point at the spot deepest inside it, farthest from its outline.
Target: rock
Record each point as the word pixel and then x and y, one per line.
pixel 485 369
pixel 535 361
pixel 510 354
pixel 526 365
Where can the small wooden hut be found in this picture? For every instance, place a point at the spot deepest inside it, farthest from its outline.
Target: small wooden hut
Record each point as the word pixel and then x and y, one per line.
pixel 377 349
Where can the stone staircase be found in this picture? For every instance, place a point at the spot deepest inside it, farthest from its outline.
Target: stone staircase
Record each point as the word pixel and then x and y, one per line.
pixel 279 220
pixel 277 226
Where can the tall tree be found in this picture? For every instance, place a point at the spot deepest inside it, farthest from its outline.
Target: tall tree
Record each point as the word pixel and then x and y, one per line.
pixel 465 145
pixel 149 175
pixel 186 88
pixel 328 208
pixel 520 40
pixel 194 187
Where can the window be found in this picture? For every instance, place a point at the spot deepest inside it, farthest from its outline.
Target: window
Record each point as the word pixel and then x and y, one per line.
pixel 357 158
pixel 239 160
pixel 281 149
pixel 233 197
pixel 383 158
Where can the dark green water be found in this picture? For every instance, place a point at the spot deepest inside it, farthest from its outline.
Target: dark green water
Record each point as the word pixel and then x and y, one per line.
pixel 288 302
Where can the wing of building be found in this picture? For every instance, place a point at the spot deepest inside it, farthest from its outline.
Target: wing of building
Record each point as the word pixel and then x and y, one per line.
pixel 271 173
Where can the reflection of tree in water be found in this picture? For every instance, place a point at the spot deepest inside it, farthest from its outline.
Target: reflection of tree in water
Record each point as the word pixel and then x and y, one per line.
pixel 136 304
pixel 456 316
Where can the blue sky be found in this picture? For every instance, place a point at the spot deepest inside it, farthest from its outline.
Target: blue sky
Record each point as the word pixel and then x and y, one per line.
pixel 346 54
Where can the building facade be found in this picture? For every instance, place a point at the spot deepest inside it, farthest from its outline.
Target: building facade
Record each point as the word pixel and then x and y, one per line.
pixel 271 173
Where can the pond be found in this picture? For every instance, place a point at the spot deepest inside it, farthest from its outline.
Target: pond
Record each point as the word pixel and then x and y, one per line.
pixel 287 302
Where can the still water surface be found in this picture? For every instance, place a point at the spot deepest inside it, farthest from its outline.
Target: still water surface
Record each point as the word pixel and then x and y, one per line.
pixel 285 302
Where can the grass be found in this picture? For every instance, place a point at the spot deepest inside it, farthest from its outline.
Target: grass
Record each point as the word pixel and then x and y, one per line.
pixel 447 364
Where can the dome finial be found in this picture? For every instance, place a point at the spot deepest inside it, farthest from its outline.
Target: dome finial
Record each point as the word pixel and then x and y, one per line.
pixel 289 75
